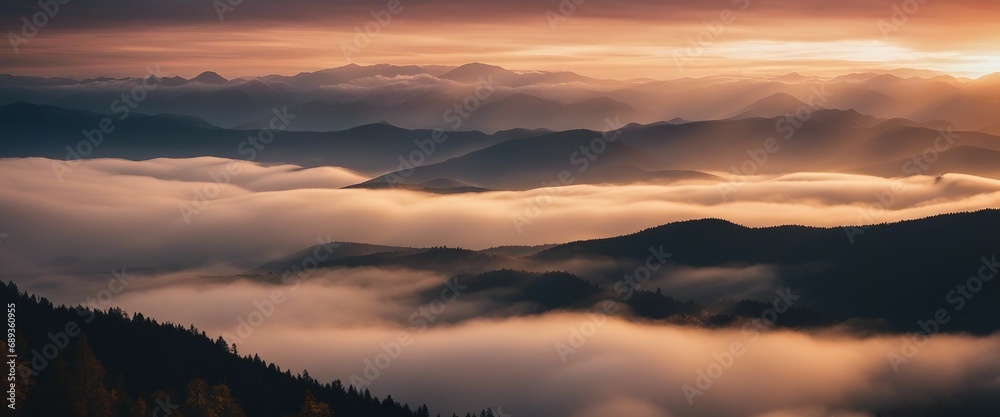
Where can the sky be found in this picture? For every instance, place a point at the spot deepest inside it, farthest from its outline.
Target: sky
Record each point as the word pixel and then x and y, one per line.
pixel 622 39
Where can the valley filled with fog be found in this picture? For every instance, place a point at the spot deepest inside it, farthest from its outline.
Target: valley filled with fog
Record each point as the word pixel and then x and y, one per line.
pixel 535 243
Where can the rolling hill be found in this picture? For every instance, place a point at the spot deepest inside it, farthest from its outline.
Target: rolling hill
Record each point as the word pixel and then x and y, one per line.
pixel 839 274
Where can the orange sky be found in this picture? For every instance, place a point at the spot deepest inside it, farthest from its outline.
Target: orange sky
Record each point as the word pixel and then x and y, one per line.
pixel 601 38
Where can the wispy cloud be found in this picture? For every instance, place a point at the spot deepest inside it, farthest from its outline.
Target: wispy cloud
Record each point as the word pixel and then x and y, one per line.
pixel 102 39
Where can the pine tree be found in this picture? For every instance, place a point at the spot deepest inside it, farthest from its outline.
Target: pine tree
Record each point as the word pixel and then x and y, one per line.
pixel 88 396
pixel 197 402
pixel 217 402
pixel 120 400
pixel 223 403
pixel 25 381
pixel 221 343
pixel 314 408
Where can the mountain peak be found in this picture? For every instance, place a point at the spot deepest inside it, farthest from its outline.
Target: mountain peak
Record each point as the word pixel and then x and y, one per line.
pixel 472 71
pixel 481 66
pixel 780 97
pixel 791 77
pixel 381 126
pixel 774 105
pixel 991 78
pixel 210 77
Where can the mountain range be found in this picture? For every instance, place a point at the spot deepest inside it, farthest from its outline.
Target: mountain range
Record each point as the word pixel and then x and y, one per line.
pixel 518 159
pixel 838 274
pixel 419 97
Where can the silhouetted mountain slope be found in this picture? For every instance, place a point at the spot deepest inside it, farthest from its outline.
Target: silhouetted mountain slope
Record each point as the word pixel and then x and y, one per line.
pixel 347 73
pixel 29 131
pixel 516 251
pixel 421 110
pixel 330 251
pixel 718 145
pixel 470 73
pixel 900 272
pixel 361 254
pixel 432 109
pixel 532 293
pixel 961 159
pixel 830 140
pixel 351 255
pixel 775 105
pixel 731 313
pixel 534 112
pixel 887 275
pixel 509 292
pixel 477 72
pixel 988 80
pixel 328 100
pixel 863 100
pixel 363 94
pixel 528 163
pixel 118 360
pixel 24 81
pixel 447 260
pixel 225 105
pixel 793 77
pixel 435 186
pixel 209 77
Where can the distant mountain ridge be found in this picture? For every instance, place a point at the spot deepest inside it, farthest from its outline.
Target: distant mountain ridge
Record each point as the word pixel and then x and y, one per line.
pixel 830 141
pixel 370 149
pixel 418 97
pixel 839 273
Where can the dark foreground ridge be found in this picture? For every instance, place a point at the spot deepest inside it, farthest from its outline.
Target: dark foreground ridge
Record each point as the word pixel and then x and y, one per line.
pixel 75 362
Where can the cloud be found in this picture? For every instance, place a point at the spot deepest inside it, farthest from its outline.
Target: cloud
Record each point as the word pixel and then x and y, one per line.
pixel 330 326
pixel 336 323
pixel 118 13
pixel 250 177
pixel 110 214
pixel 627 366
pixel 113 212
pixel 712 283
pixel 638 36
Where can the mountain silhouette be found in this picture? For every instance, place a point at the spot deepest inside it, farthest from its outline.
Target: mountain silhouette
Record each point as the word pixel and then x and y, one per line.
pixel 126 363
pixel 209 77
pixel 839 274
pixel 374 148
pixel 775 105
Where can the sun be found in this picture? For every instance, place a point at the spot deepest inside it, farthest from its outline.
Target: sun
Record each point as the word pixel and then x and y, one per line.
pixel 978 66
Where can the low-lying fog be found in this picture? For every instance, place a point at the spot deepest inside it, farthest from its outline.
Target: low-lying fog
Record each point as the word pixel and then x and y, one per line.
pixel 112 213
pixel 347 325
pixel 181 213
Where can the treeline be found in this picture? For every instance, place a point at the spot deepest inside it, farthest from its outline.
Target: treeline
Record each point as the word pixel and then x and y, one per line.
pixel 75 362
